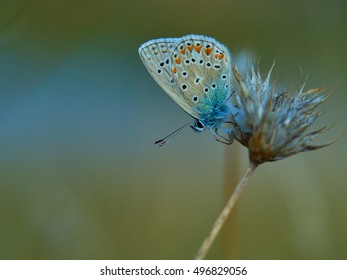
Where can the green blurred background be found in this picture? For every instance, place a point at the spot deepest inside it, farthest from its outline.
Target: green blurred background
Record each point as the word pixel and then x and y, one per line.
pixel 80 177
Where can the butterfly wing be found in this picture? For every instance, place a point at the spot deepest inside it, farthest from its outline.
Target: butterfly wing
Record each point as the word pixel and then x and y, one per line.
pixel 201 69
pixel 156 55
pixel 193 70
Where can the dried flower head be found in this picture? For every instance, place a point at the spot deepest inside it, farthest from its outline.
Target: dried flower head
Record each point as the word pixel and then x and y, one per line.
pixel 273 125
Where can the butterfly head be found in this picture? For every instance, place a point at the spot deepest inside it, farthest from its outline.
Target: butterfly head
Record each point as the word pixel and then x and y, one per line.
pixel 198 126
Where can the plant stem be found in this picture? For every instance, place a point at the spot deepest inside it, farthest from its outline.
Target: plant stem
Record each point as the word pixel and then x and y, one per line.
pixel 231 179
pixel 225 213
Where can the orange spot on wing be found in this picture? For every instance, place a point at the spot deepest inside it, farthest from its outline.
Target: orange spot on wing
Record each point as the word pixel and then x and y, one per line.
pixel 208 51
pixel 198 48
pixel 164 51
pixel 190 48
pixel 178 60
pixel 183 51
pixel 221 56
pixel 216 55
pixel 174 70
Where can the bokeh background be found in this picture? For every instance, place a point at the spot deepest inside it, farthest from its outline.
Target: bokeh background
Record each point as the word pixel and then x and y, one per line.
pixel 80 177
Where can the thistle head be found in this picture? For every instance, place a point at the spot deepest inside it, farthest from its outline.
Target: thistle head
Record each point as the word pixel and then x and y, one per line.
pixel 274 124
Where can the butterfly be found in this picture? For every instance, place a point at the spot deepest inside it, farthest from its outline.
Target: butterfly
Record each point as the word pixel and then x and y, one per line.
pixel 195 71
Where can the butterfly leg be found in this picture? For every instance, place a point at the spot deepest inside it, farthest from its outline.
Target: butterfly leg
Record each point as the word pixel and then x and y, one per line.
pixel 220 138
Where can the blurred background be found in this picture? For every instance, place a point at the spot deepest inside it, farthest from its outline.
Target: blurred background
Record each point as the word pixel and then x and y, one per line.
pixel 80 176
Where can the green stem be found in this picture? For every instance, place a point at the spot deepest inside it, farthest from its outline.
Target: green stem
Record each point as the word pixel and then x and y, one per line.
pixel 204 248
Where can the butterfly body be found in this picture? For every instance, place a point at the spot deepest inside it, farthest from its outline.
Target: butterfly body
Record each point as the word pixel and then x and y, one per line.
pixel 195 72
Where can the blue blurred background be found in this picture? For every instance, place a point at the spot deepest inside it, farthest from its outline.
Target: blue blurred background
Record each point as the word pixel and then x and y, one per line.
pixel 80 177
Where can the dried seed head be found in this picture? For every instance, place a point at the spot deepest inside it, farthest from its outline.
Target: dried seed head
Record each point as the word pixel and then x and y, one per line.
pixel 273 125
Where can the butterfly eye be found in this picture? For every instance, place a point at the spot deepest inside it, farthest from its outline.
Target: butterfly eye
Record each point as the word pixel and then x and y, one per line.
pixel 224 77
pixel 206 89
pixel 184 74
pixel 213 85
pixel 208 64
pixel 195 99
pixel 199 124
pixel 184 86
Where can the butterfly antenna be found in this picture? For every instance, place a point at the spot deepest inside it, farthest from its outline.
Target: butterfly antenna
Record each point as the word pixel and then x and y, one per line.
pixel 166 139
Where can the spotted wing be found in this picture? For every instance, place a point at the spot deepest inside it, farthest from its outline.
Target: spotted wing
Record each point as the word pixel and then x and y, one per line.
pixel 156 55
pixel 201 69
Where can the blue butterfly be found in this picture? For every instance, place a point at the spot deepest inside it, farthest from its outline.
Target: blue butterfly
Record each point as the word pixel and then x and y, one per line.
pixel 195 71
